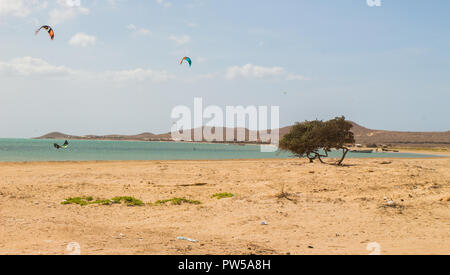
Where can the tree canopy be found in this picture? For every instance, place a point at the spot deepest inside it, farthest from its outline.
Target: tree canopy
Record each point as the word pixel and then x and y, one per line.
pixel 314 139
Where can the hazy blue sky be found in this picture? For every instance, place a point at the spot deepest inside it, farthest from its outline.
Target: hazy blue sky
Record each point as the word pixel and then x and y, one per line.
pixel 114 64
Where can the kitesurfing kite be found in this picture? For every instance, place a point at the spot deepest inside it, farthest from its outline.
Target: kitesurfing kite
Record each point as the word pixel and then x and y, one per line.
pixel 47 28
pixel 188 60
pixel 64 146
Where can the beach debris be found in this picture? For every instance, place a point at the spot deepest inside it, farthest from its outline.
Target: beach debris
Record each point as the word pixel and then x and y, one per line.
pixel 392 204
pixel 184 184
pixel 385 162
pixel 193 184
pixel 447 199
pixel 264 223
pixel 187 239
pixel 310 246
pixel 121 236
pixel 435 186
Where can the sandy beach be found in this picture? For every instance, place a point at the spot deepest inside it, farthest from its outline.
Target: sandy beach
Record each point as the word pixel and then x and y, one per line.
pixel 402 204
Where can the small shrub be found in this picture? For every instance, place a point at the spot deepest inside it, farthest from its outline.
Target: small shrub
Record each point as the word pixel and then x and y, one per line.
pixel 130 201
pixel 78 200
pixel 177 201
pixel 222 195
pixel 83 201
pixel 103 202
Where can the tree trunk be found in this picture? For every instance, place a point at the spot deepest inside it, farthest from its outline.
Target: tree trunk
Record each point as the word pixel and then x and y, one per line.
pixel 344 153
pixel 319 156
pixel 311 159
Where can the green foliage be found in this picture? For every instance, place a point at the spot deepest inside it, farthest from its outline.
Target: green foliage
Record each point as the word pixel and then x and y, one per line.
pixel 130 201
pixel 303 139
pixel 311 137
pixel 177 201
pixel 336 133
pixel 83 201
pixel 222 195
pixel 78 200
pixel 103 202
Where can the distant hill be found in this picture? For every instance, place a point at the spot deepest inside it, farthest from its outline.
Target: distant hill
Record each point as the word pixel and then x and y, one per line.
pixel 57 135
pixel 369 136
pixel 362 136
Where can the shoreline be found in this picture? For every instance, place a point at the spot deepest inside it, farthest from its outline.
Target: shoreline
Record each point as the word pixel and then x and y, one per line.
pixel 427 152
pixel 430 151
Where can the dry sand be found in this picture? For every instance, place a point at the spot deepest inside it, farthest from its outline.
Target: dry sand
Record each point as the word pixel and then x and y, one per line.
pixel 328 209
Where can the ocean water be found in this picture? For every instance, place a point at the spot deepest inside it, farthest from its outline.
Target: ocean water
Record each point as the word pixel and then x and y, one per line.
pixel 80 150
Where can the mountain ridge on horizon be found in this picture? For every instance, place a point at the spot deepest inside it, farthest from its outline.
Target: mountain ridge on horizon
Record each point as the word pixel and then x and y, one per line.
pixel 362 134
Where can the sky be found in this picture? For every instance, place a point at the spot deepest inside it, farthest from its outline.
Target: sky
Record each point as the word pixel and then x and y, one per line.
pixel 113 67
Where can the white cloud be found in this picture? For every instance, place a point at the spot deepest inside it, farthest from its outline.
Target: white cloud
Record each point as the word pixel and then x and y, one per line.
pixel 73 3
pixel 208 76
pixel 83 40
pixel 252 71
pixel 20 8
pixel 140 75
pixel 138 31
pixel 297 77
pixel 66 10
pixel 27 66
pixel 180 39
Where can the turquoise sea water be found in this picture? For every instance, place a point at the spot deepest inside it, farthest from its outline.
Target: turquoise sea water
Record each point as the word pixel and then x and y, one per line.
pixel 80 150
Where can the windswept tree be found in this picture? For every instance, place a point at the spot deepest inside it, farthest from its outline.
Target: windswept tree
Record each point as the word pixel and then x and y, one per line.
pixel 314 139
pixel 303 140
